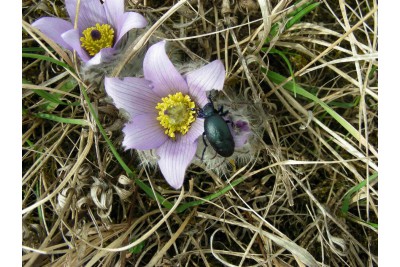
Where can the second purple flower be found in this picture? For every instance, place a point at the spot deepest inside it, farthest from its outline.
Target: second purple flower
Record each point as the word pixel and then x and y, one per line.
pixel 100 28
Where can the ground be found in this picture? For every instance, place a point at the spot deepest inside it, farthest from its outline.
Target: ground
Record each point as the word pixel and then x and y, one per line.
pixel 303 73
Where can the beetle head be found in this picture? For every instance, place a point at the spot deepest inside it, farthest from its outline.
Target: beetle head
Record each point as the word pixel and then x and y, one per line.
pixel 208 110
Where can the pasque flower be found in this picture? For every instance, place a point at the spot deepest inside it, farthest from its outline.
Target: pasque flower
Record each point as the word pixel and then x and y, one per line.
pixel 99 29
pixel 161 107
pixel 240 131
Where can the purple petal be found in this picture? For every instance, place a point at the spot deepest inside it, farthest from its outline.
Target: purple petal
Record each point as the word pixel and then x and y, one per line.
pixel 90 13
pixel 199 97
pixel 175 157
pixel 241 139
pixel 241 132
pixel 128 21
pixel 196 129
pixel 104 54
pixel 53 28
pixel 132 94
pixel 211 76
pixel 71 37
pixel 144 132
pixel 114 10
pixel 159 70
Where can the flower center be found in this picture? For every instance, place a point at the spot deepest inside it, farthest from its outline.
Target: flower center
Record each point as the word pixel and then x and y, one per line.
pixel 175 113
pixel 96 38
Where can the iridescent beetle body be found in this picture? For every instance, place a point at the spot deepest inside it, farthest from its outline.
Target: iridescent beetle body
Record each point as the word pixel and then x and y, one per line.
pixel 216 130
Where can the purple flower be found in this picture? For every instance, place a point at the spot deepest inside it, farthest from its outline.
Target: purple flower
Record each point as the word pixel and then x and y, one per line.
pixel 240 132
pixel 161 109
pixel 100 28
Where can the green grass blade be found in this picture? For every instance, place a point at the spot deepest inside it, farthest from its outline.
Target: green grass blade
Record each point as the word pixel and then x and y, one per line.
pixel 26 81
pixel 68 86
pixel 299 13
pixel 287 61
pixel 40 208
pixel 185 206
pixel 36 49
pixel 138 248
pixel 45 95
pixel 29 142
pixel 353 190
pixel 46 58
pixel 351 217
pixel 150 193
pixel 49 97
pixel 112 148
pixel 295 17
pixel 371 74
pixel 279 79
pixel 61 119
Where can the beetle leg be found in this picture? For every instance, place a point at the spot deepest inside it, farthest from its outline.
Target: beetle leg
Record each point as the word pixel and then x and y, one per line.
pixel 221 111
pixel 205 146
pixel 209 99
pixel 224 113
pixel 200 113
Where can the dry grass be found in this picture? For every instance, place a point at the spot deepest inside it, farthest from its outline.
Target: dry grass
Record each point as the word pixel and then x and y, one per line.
pixel 80 209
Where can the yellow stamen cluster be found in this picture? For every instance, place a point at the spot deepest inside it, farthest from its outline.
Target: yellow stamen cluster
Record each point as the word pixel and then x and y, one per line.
pixel 176 114
pixel 96 38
